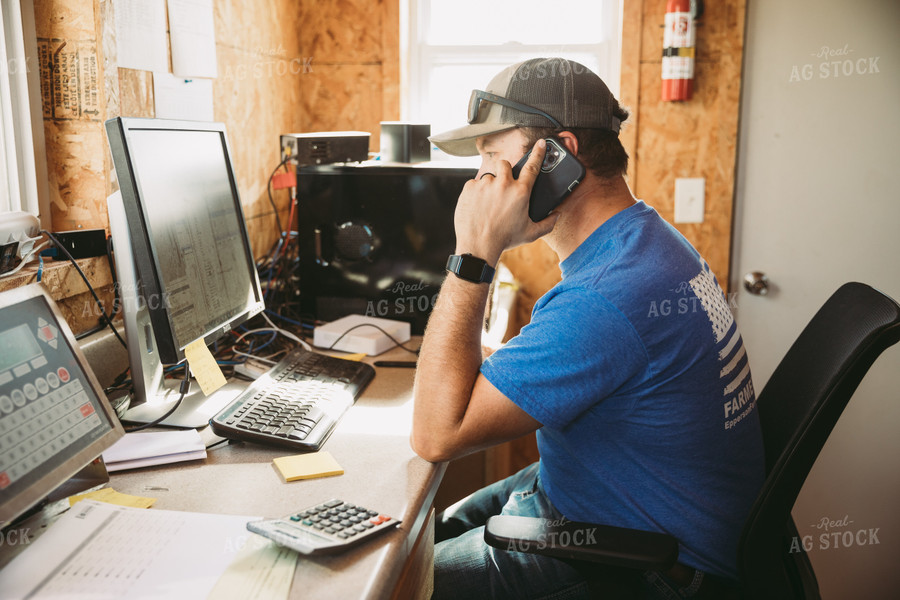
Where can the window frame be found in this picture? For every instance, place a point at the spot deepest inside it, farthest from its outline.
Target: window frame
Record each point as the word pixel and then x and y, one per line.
pixel 22 148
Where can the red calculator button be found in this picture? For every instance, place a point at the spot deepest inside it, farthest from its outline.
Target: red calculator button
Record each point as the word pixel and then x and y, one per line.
pixel 63 374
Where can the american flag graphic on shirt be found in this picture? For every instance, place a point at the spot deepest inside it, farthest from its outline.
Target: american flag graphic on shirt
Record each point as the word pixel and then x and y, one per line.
pixel 738 396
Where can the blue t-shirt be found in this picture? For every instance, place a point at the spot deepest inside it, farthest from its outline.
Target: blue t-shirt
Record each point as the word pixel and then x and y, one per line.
pixel 634 365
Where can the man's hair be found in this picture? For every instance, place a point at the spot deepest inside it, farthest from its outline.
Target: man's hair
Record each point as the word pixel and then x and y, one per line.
pixel 599 150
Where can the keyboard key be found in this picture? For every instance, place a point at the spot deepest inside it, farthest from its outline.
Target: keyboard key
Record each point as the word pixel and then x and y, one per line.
pixel 314 414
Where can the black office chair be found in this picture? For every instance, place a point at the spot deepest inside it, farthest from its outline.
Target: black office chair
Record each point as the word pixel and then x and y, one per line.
pixel 798 408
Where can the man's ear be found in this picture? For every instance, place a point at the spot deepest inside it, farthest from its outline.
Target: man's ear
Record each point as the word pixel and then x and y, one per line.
pixel 569 141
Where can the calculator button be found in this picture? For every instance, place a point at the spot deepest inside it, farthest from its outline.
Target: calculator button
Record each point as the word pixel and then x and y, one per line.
pixel 53 380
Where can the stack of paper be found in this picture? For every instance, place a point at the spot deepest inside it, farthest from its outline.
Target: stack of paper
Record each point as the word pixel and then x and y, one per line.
pixel 99 551
pixel 136 450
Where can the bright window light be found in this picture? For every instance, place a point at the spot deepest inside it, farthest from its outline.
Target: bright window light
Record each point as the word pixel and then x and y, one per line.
pixel 454 46
pixel 532 22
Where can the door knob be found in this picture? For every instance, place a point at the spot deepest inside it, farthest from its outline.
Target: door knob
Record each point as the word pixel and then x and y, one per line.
pixel 756 283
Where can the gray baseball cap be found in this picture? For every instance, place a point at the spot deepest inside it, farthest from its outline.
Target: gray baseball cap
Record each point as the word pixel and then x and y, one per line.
pixel 541 92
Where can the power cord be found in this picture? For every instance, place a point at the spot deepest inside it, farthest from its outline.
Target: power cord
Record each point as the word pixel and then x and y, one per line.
pixel 184 389
pixel 397 344
pixel 101 325
pixel 271 199
pixel 103 314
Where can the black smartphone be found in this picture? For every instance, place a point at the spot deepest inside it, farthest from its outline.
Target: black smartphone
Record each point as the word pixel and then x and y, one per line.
pixel 560 174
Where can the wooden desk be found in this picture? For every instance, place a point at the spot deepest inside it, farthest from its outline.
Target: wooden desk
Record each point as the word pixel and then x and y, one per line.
pixel 381 471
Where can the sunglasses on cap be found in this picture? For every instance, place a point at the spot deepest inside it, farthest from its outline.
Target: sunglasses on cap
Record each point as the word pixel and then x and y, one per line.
pixel 478 97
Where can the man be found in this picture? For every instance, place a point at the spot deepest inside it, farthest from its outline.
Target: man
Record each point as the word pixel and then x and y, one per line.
pixel 631 370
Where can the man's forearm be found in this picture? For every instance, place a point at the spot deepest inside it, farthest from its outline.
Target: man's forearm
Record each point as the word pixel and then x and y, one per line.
pixel 449 362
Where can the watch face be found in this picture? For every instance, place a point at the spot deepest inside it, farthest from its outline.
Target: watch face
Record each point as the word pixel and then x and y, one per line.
pixel 471 268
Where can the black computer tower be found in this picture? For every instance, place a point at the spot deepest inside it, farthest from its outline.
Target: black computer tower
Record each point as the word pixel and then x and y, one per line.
pixel 374 240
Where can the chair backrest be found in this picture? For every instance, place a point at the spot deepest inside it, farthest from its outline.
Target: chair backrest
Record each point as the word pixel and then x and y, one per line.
pixel 798 408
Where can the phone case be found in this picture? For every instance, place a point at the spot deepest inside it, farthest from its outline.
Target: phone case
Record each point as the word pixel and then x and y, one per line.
pixel 560 174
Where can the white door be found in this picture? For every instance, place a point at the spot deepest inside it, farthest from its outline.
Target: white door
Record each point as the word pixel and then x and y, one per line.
pixel 817 205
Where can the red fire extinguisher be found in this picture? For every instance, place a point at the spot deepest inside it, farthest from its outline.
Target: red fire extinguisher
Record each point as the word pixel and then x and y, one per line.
pixel 678 50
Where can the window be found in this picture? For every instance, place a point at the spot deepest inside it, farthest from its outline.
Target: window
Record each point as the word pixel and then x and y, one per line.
pixel 455 46
pixel 23 163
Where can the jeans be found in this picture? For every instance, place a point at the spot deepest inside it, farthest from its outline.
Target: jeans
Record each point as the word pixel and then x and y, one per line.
pixel 466 567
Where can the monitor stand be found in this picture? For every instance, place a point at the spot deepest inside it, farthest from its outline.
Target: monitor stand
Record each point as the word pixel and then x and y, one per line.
pixel 195 410
pixel 154 395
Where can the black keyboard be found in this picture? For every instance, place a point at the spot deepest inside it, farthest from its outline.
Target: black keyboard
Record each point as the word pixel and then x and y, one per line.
pixel 297 403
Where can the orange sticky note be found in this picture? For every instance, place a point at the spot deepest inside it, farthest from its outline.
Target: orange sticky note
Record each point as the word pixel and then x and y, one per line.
pixel 307 466
pixel 204 367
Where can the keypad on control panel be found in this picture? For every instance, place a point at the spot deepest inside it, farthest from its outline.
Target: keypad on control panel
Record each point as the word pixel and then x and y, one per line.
pixel 41 412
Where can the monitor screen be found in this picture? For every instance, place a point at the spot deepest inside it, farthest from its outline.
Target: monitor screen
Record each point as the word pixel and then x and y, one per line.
pixel 193 259
pixel 54 417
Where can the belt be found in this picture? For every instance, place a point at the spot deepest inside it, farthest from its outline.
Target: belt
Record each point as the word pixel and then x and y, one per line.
pixel 700 585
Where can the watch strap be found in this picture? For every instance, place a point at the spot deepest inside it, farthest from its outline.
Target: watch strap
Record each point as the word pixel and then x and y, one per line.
pixel 470 268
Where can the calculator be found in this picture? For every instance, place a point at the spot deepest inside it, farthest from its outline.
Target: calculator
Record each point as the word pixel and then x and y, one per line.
pixel 325 528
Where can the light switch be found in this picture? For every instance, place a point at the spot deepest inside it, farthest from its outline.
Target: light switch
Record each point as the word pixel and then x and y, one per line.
pixel 689 199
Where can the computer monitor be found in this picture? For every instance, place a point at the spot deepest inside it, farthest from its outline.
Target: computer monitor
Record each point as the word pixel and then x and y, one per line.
pixel 374 239
pixel 54 417
pixel 185 265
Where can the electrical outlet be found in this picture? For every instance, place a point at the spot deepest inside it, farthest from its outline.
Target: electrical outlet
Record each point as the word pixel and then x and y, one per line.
pixel 689 199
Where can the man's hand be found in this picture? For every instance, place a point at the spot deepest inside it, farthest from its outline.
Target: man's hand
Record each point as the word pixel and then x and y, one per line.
pixel 492 211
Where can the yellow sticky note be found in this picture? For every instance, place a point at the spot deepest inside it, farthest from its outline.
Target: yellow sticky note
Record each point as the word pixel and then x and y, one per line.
pixel 307 466
pixel 204 367
pixel 111 496
pixel 357 357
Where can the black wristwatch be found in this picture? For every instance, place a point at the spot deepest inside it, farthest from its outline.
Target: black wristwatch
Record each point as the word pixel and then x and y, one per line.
pixel 471 268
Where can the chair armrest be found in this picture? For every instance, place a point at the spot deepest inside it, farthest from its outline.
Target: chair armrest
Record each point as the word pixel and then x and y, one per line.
pixel 616 546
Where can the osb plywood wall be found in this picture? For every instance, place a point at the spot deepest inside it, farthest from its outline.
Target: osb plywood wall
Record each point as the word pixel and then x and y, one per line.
pixel 256 95
pixel 355 84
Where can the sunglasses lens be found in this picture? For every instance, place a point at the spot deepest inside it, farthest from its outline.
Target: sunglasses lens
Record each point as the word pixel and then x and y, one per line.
pixel 474 105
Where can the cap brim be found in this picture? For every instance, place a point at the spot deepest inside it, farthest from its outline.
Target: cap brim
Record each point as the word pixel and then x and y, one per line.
pixel 461 141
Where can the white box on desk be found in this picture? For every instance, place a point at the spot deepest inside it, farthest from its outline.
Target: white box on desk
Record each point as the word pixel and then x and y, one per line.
pixel 367 336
